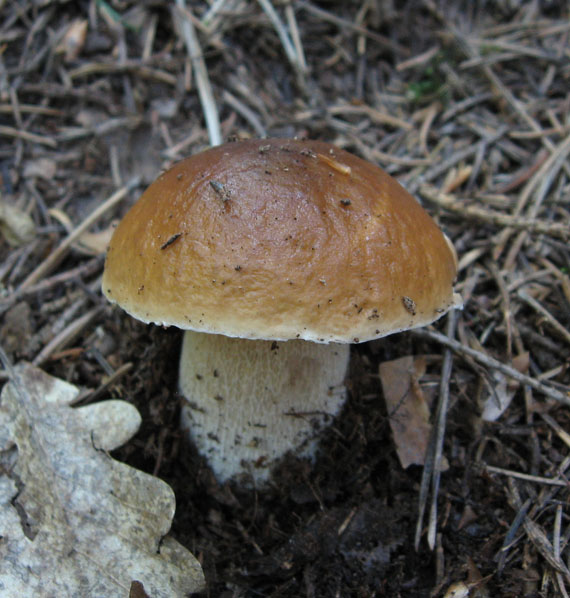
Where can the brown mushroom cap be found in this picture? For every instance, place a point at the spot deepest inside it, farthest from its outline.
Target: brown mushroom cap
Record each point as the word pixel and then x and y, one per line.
pixel 280 239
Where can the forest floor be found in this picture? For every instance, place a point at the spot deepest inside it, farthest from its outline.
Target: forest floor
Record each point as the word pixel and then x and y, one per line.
pixel 467 104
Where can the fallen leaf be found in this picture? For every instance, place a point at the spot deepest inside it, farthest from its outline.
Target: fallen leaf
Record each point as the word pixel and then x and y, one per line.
pixel 500 397
pixel 458 589
pixel 476 582
pixel 521 362
pixel 503 389
pixel 62 218
pixel 16 226
pixel 95 243
pixel 73 40
pixel 88 243
pixel 90 117
pixel 166 108
pixel 17 328
pixel 44 168
pixel 407 408
pixel 474 587
pixel 73 521
pixel 456 178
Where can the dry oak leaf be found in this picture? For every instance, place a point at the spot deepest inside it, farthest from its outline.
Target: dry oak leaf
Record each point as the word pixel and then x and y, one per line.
pixel 407 407
pixel 16 226
pixel 73 521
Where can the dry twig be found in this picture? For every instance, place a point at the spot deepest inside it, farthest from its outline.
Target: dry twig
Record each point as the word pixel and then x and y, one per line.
pixel 201 72
pixel 492 363
pixel 57 255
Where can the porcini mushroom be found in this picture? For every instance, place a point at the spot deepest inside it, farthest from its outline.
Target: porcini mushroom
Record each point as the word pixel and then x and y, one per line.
pixel 274 255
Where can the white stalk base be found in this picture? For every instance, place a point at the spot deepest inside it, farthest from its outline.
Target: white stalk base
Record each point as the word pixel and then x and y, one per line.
pixel 250 401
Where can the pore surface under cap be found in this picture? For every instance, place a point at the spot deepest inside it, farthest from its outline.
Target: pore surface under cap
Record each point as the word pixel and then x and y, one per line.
pixel 280 239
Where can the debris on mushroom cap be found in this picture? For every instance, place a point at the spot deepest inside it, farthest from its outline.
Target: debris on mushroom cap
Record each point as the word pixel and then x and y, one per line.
pixel 281 239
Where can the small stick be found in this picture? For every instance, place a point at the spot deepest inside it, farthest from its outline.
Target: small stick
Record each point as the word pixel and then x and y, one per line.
pixel 538 339
pixel 541 542
pixel 175 150
pixel 430 115
pixel 556 534
pixel 432 467
pixel 522 177
pixel 545 313
pixel 465 105
pixel 557 156
pixel 490 362
pixel 538 134
pixel 67 335
pixel 382 40
pixel 511 534
pixel 442 409
pixel 201 73
pixel 375 115
pixel 398 160
pixel 555 162
pixel 296 37
pixel 59 253
pixel 288 46
pixel 246 112
pixel 31 109
pixel 89 268
pixel 127 66
pixel 561 584
pixel 505 306
pixel 458 156
pixel 418 60
pixel 91 396
pixel 346 522
pixel 556 546
pixel 497 85
pixel 533 531
pixel 527 477
pixel 8 371
pixel 449 202
pixel 6 131
pixel 212 12
pixel 11 259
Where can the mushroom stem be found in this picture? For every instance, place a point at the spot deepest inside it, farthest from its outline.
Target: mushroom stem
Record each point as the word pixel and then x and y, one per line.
pixel 251 401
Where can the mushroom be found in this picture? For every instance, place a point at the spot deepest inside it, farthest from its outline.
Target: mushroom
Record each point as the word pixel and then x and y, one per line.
pixel 274 255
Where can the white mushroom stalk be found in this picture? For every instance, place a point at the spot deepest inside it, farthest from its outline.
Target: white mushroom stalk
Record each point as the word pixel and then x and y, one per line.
pixel 252 401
